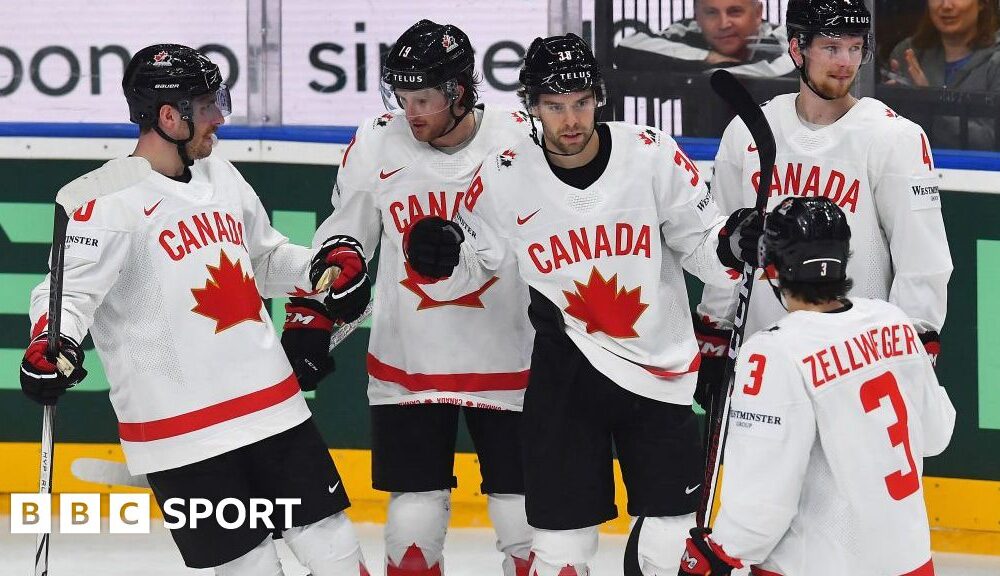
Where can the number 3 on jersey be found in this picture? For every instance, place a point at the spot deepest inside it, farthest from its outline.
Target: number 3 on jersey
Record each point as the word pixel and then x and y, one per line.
pixel 900 484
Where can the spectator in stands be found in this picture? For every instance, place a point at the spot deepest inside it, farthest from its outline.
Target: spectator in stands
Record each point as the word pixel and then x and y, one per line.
pixel 724 33
pixel 955 47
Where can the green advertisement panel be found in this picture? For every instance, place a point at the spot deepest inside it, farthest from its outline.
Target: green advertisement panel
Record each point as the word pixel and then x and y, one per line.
pixel 297 198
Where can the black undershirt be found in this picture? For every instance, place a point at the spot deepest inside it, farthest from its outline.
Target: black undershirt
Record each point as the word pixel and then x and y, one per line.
pixel 583 176
pixel 184 177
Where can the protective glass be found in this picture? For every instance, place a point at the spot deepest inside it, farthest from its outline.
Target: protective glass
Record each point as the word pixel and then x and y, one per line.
pixel 205 108
pixel 415 103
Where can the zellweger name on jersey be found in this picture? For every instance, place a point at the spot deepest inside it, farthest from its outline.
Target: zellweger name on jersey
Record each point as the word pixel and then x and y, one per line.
pixel 611 257
pixel 170 275
pixel 473 348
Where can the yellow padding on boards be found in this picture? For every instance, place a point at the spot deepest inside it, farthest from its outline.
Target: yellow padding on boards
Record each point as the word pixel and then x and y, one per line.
pixel 964 514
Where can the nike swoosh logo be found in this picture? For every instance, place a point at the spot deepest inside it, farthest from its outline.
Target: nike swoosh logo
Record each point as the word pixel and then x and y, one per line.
pixel 150 210
pixel 383 174
pixel 522 221
pixel 751 148
pixel 691 489
pixel 333 488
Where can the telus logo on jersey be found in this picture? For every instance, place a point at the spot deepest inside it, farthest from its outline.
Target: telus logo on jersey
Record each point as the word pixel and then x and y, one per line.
pixel 582 244
pixel 817 181
pixel 198 231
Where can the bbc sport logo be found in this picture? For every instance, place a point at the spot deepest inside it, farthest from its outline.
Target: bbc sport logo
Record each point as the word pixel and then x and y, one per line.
pixel 80 513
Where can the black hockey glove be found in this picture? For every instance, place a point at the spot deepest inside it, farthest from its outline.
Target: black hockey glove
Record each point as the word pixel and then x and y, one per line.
pixel 713 343
pixel 40 380
pixel 704 557
pixel 932 344
pixel 738 238
pixel 350 291
pixel 432 246
pixel 306 340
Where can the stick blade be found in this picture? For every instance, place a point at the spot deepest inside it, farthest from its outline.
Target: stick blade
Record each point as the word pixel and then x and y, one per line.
pixel 108 472
pixel 736 95
pixel 113 176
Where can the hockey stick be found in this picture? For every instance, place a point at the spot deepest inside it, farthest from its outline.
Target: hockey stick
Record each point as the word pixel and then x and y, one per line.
pixel 115 473
pixel 111 177
pixel 735 94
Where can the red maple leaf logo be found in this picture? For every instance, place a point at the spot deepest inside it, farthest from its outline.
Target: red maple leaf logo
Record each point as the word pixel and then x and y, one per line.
pixel 302 293
pixel 605 307
pixel 471 300
pixel 229 297
pixel 412 563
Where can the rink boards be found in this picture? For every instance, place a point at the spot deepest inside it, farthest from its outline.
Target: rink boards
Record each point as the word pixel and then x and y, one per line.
pixel 293 169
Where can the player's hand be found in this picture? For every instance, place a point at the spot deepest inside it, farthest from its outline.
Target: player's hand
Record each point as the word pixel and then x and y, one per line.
pixel 712 346
pixel 913 67
pixel 432 246
pixel 738 238
pixel 932 344
pixel 40 380
pixel 704 557
pixel 306 340
pixel 350 290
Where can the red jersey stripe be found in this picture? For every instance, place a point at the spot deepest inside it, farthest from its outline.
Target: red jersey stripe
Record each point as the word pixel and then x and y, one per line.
pixel 209 415
pixel 470 382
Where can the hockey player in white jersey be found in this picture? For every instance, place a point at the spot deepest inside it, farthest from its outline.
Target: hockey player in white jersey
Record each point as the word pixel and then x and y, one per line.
pixel 602 220
pixel 432 359
pixel 167 271
pixel 872 163
pixel 835 408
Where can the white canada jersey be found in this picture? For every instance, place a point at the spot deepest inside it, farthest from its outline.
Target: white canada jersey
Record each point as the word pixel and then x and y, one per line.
pixel 831 417
pixel 611 257
pixel 168 277
pixel 472 348
pixel 877 167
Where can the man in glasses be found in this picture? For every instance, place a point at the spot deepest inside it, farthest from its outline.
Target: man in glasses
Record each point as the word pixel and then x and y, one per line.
pixel 875 165
pixel 166 269
pixel 431 360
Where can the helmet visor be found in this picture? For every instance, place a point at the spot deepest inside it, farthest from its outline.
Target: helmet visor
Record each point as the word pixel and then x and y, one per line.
pixel 421 102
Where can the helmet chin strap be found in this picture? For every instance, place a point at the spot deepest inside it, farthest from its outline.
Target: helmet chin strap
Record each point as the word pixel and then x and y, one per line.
pixel 181 144
pixel 805 78
pixel 540 140
pixel 455 121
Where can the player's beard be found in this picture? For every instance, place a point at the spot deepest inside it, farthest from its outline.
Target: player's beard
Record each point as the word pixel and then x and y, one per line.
pixel 559 144
pixel 201 145
pixel 831 87
pixel 430 127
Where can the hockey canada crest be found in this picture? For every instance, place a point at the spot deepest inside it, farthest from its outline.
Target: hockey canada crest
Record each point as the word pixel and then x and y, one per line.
pixel 383 120
pixel 448 41
pixel 506 158
pixel 519 117
pixel 162 58
pixel 648 137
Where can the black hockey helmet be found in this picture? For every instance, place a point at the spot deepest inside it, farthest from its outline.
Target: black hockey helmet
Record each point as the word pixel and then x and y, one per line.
pixel 560 65
pixel 427 55
pixel 807 240
pixel 170 74
pixel 806 18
